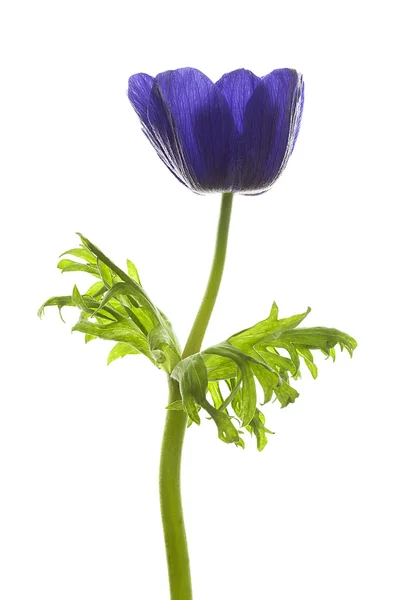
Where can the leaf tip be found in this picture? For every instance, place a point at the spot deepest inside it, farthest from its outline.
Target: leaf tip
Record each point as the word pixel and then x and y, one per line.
pixel 274 311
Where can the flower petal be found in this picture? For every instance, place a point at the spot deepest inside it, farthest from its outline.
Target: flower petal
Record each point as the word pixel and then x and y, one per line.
pixel 204 126
pixel 164 136
pixel 271 123
pixel 237 88
pixel 140 86
pixel 298 116
pixel 141 93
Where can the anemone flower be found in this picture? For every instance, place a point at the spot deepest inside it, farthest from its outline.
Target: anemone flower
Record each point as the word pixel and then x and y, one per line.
pixel 235 135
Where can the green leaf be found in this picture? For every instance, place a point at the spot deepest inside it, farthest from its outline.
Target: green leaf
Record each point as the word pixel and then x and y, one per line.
pixel 132 271
pixel 96 290
pixel 79 300
pixel 81 253
pixel 234 391
pixel 162 348
pixel 104 259
pixel 138 292
pixel 278 362
pixel 256 353
pixel 257 426
pixel 308 359
pixel 118 332
pixel 248 390
pixel 176 405
pixel 269 353
pixel 266 329
pixel 282 345
pixel 131 291
pixel 215 393
pixel 58 301
pixel 120 350
pixel 66 265
pixel 219 368
pixel 286 394
pixel 146 319
pixel 267 379
pixel 117 308
pixel 226 429
pixel 105 274
pixel 320 338
pixel 192 376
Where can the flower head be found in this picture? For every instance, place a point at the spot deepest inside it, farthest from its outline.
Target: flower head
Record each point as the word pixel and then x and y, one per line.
pixel 235 135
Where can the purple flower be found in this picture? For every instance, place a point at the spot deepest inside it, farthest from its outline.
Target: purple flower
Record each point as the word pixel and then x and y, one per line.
pixel 235 135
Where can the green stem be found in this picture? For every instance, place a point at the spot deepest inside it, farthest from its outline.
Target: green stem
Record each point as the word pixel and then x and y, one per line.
pixel 200 325
pixel 171 502
pixel 175 426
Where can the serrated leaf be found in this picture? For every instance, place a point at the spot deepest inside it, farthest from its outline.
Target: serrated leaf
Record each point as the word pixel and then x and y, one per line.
pixel 136 291
pixel 257 426
pixel 120 350
pixel 177 405
pixel 308 359
pixel 66 265
pixel 105 274
pixel 256 353
pixel 248 389
pixel 145 317
pixel 286 394
pixel 244 364
pixel 278 362
pixel 272 326
pixel 220 368
pixel 235 389
pixel 81 252
pixel 320 338
pixel 104 259
pixel 97 289
pixel 79 300
pixel 162 349
pixel 226 429
pixel 192 376
pixel 119 290
pixel 117 308
pixel 89 338
pixel 90 307
pixel 215 393
pixel 332 354
pixel 282 345
pixel 58 301
pixel 132 271
pixel 118 332
pixel 267 380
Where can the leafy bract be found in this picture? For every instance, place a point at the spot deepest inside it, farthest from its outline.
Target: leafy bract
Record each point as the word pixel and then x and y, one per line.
pixel 191 374
pixel 117 308
pixel 270 353
pixel 222 380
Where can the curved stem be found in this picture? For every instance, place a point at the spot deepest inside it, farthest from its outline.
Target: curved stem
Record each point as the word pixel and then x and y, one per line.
pixel 171 501
pixel 200 325
pixel 175 426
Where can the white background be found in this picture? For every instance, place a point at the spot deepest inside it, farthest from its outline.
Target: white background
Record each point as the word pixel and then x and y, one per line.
pixel 328 509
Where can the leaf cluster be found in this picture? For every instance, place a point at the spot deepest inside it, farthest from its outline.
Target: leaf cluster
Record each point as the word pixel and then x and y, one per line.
pixel 222 380
pixel 117 308
pixel 270 354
